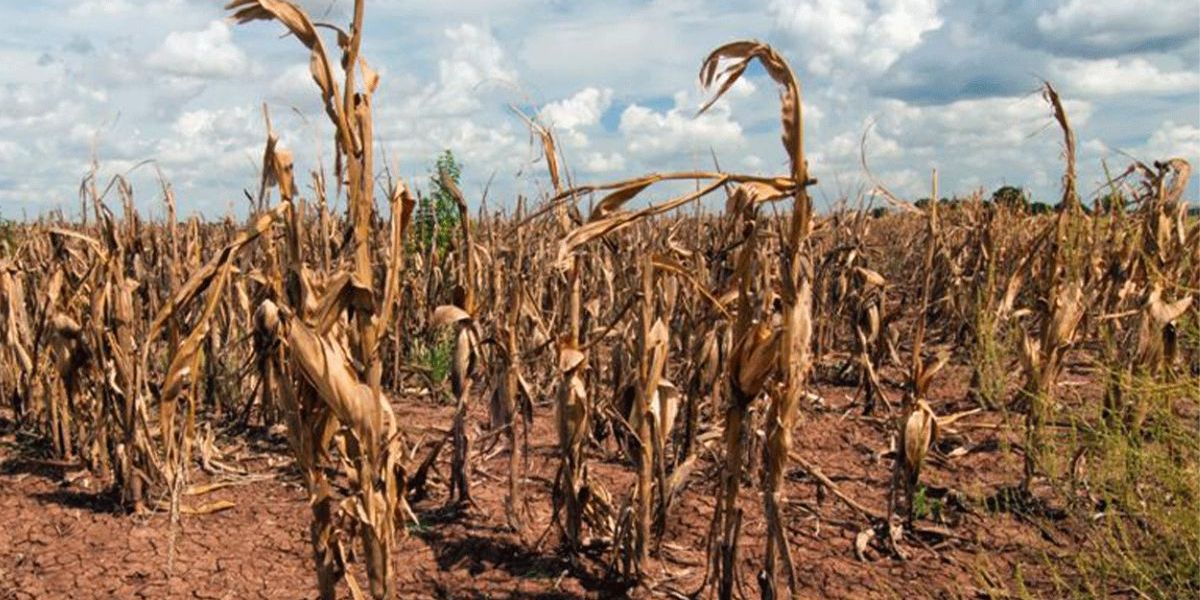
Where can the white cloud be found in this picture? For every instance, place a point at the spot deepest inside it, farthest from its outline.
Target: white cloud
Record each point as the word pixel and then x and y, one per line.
pixel 945 82
pixel 478 144
pixel 200 138
pixel 978 122
pixel 650 133
pixel 847 34
pixel 897 29
pixel 844 151
pixel 752 162
pixel 813 115
pixel 50 114
pixel 463 109
pixel 475 62
pixel 1174 140
pixel 476 58
pixel 570 117
pixel 484 145
pixel 1112 76
pixel 742 88
pixel 1117 25
pixel 617 52
pixel 92 8
pixel 48 105
pixel 598 162
pixel 294 83
pixel 11 151
pixel 984 142
pixel 208 53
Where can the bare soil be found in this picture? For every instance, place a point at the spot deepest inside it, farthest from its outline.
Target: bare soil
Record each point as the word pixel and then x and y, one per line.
pixel 61 536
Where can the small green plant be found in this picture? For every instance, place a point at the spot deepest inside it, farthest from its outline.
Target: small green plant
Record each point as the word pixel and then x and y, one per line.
pixel 418 529
pixel 920 503
pixel 433 356
pixel 925 507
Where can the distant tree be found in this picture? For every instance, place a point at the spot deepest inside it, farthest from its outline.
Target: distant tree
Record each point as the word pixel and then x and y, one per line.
pixel 8 236
pixel 1059 207
pixel 1011 197
pixel 1109 201
pixel 1040 208
pixel 437 213
pixel 879 212
pixel 923 203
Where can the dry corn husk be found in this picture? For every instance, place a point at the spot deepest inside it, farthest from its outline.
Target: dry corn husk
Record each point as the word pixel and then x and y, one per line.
pixel 920 431
pixel 754 358
pixel 326 366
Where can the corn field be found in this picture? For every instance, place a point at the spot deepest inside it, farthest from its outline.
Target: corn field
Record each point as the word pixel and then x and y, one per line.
pixel 642 397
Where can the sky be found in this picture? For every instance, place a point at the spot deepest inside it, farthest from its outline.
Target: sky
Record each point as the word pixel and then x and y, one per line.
pixel 951 86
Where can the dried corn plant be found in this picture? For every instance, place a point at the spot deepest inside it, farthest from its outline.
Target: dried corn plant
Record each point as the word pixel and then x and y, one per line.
pixel 845 283
pixel 993 288
pixel 793 353
pixel 916 426
pixel 1061 302
pixel 512 402
pixel 676 349
pixel 572 425
pixel 1148 285
pixel 872 341
pixel 466 341
pixel 331 386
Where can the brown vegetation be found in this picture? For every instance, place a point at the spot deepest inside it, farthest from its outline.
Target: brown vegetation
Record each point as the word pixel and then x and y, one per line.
pixel 687 359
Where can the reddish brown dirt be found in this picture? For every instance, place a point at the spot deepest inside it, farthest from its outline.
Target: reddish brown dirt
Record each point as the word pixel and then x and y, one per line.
pixel 61 538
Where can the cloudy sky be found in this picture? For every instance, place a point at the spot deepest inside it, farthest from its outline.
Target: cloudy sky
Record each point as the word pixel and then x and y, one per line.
pixel 947 85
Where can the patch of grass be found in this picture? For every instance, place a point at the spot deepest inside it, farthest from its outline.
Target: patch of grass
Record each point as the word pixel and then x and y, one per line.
pixel 1146 541
pixel 990 359
pixel 988 354
pixel 996 581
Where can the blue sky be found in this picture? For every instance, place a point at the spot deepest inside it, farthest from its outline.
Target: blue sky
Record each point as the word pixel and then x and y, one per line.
pixel 947 85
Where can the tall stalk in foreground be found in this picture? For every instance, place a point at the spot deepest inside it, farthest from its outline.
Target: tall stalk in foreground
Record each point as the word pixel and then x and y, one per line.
pixel 349 386
pixel 750 364
pixel 794 357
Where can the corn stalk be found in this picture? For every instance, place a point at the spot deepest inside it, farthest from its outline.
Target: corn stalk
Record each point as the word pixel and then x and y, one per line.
pixel 355 397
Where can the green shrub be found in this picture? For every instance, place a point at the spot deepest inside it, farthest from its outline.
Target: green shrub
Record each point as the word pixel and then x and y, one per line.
pixel 436 218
